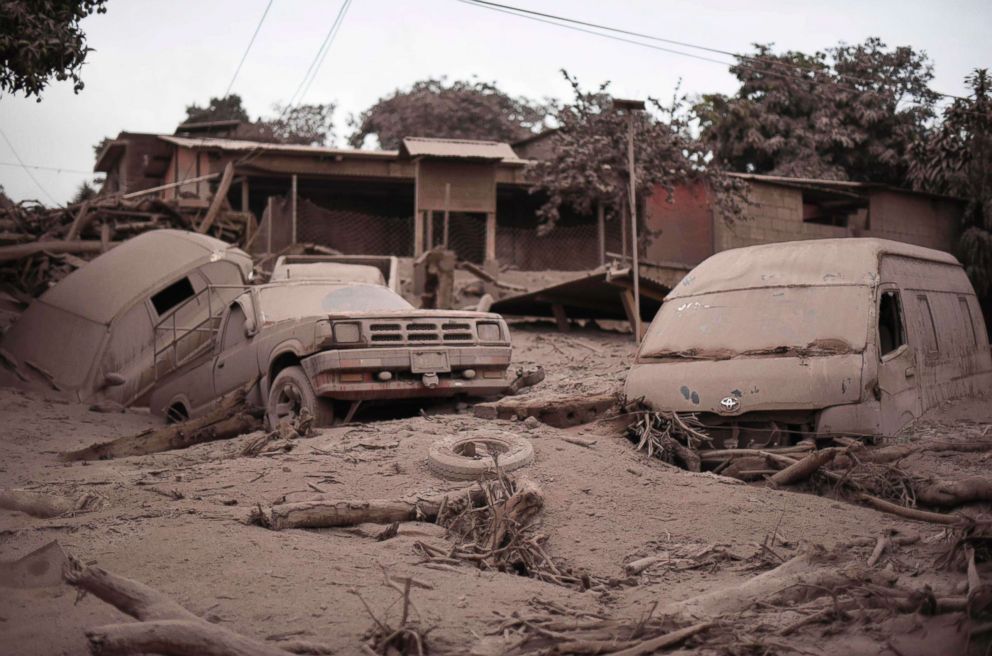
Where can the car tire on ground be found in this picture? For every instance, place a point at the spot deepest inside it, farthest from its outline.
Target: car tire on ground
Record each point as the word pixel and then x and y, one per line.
pixel 470 457
pixel 289 393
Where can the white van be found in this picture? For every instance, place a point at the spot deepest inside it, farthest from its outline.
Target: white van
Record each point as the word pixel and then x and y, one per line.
pixel 101 332
pixel 772 343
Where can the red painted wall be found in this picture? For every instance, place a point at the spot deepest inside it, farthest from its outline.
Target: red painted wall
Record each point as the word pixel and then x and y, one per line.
pixel 680 231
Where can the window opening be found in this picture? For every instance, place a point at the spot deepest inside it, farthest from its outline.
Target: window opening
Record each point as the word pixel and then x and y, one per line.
pixel 890 331
pixel 173 295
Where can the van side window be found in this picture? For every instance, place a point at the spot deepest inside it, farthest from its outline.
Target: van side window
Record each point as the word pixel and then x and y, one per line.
pixel 173 295
pixel 890 331
pixel 966 315
pixel 234 329
pixel 928 325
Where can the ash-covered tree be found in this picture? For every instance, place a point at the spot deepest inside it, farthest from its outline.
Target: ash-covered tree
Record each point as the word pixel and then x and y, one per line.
pixel 955 158
pixel 589 163
pixel 308 125
pixel 459 110
pixel 850 112
pixel 85 191
pixel 41 40
pixel 228 108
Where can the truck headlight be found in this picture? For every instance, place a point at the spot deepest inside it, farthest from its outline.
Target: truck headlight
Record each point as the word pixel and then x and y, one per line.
pixel 347 333
pixel 488 332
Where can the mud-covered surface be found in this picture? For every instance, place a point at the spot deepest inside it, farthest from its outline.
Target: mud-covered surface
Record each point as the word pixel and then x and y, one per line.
pixel 177 521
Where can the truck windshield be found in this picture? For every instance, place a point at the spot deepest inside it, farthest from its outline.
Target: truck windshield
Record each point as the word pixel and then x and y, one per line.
pixel 281 302
pixel 768 321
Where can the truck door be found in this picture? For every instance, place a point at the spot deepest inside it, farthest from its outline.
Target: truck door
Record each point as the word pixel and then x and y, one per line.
pixel 236 362
pixel 898 381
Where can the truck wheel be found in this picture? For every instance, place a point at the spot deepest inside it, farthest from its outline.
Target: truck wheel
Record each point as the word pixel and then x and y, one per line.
pixel 471 457
pixel 290 392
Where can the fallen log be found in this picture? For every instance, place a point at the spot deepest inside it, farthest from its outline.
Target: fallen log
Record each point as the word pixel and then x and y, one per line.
pixel 46 506
pixel 323 512
pixel 808 573
pixel 955 493
pixel 724 454
pixel 641 564
pixel 910 513
pixel 229 419
pixel 661 642
pixel 803 469
pixel 20 251
pixel 165 627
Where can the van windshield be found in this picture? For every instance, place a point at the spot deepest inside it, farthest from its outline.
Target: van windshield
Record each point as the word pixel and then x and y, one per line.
pixel 753 322
pixel 280 302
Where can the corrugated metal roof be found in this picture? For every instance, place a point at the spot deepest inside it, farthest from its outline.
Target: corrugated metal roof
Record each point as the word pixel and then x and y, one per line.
pixel 851 186
pixel 239 145
pixel 457 148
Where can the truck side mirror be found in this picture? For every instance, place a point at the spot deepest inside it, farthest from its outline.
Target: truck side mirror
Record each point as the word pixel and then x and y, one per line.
pixel 113 379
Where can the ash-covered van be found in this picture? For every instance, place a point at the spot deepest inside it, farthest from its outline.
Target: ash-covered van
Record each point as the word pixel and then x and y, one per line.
pixel 772 343
pixel 94 335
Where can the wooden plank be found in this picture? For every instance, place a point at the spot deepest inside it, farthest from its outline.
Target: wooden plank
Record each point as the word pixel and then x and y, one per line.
pixel 627 298
pixel 78 223
pixel 560 317
pixel 219 198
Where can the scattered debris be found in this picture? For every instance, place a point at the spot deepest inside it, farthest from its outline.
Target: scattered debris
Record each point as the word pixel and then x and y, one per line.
pixel 557 411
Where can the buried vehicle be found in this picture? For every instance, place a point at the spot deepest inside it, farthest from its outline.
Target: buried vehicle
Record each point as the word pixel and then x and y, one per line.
pixel 310 343
pixel 769 344
pixel 93 335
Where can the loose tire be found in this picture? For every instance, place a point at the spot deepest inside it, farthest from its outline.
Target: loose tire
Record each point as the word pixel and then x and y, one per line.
pixel 470 457
pixel 289 393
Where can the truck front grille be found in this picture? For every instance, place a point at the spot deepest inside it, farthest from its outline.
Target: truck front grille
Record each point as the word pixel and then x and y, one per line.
pixel 451 332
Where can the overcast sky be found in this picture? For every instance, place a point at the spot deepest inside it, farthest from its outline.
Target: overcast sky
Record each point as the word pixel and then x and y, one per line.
pixel 152 58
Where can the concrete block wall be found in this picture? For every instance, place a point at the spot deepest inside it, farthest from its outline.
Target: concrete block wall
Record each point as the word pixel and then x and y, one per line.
pixel 775 215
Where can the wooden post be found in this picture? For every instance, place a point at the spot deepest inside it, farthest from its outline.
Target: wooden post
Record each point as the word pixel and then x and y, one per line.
pixel 418 233
pixel 268 209
pixel 292 204
pixel 429 218
pixel 560 317
pixel 632 311
pixel 418 219
pixel 601 232
pixel 490 236
pixel 244 195
pixel 447 203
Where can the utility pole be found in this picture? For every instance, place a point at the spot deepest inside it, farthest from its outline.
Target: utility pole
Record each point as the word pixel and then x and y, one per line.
pixel 632 106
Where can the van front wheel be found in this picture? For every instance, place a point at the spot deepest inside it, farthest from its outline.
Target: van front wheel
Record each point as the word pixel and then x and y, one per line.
pixel 289 393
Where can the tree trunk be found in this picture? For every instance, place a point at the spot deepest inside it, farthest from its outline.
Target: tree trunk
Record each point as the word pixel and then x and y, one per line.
pixel 803 469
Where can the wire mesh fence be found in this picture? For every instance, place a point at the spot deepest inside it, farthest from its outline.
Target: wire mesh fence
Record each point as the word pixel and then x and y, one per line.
pixel 351 231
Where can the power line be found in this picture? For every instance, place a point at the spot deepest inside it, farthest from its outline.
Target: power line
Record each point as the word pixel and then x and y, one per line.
pixel 318 59
pixel 248 49
pixel 569 23
pixel 338 22
pixel 47 168
pixel 26 169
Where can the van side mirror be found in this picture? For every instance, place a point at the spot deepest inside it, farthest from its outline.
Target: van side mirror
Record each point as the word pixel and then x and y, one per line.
pixel 113 379
pixel 250 329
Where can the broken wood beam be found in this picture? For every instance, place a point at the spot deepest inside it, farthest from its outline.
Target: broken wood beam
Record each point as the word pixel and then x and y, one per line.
pixel 803 469
pixel 327 512
pixel 53 247
pixel 220 196
pixel 231 418
pixel 560 412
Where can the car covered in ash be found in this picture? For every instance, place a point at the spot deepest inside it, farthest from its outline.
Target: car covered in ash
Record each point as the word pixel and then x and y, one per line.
pixel 98 334
pixel 775 343
pixel 314 343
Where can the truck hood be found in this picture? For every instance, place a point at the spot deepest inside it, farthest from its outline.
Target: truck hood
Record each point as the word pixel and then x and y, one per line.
pixel 747 384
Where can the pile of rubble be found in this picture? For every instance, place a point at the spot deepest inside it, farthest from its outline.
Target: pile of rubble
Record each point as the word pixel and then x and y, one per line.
pixel 39 245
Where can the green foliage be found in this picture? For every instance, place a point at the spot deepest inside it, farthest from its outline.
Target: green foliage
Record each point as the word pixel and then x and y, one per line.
pixel 460 110
pixel 955 158
pixel 41 40
pixel 589 165
pixel 847 113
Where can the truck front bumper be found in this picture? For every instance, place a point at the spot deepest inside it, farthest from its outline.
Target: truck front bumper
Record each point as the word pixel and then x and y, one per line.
pixel 356 374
